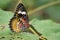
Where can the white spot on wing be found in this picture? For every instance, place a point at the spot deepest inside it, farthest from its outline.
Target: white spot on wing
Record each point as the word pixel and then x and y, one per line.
pixel 23 12
pixel 19 12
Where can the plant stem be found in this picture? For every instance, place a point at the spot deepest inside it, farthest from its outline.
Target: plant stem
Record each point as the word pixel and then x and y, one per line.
pixel 43 7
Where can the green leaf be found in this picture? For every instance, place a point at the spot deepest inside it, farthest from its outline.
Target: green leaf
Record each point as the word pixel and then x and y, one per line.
pixel 48 28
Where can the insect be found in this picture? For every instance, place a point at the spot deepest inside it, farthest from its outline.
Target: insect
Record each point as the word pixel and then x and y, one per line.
pixel 20 22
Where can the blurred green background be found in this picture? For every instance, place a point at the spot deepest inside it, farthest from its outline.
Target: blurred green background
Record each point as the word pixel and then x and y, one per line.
pixel 44 15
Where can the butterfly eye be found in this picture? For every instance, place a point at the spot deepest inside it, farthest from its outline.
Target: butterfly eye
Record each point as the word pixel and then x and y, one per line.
pixel 24 13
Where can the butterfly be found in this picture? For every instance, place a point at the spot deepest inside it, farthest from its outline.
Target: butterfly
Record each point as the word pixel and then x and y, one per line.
pixel 20 22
